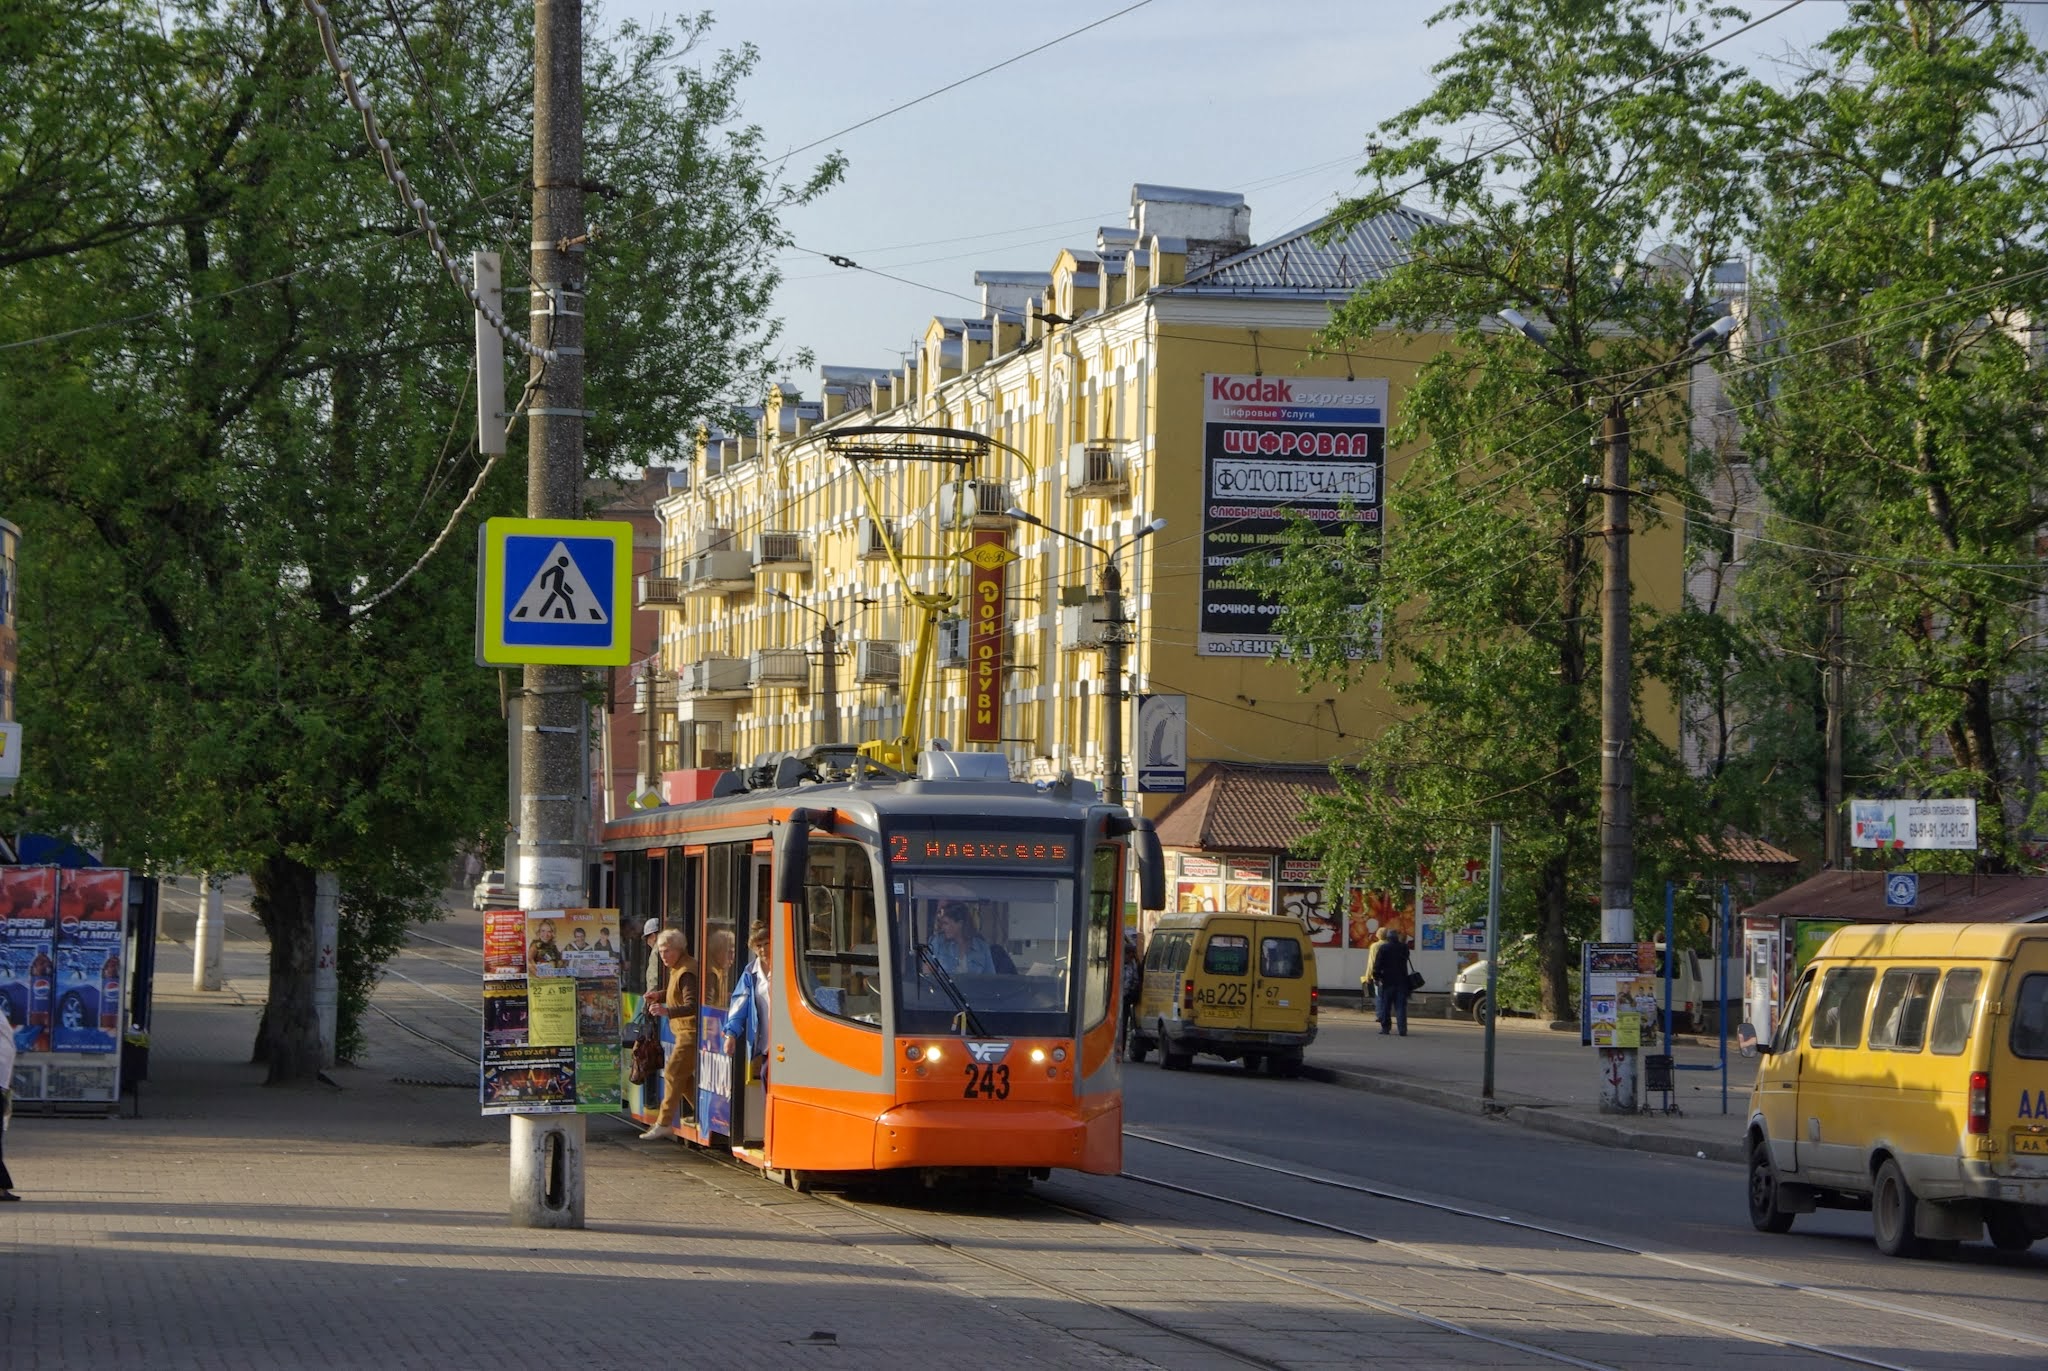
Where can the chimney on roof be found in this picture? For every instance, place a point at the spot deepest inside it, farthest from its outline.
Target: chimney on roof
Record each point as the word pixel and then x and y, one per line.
pixel 1214 224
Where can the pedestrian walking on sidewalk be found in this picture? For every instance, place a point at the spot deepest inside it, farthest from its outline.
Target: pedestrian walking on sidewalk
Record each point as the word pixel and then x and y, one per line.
pixel 1390 981
pixel 676 1002
pixel 6 1098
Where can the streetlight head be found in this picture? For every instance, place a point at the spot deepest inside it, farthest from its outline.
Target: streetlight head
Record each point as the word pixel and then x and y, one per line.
pixel 1154 527
pixel 1523 324
pixel 1018 513
pixel 1713 334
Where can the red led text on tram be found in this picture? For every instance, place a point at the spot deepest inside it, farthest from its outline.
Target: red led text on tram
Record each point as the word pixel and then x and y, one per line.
pixel 964 849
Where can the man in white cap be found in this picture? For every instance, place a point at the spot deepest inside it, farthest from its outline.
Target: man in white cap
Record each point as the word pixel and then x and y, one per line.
pixel 648 931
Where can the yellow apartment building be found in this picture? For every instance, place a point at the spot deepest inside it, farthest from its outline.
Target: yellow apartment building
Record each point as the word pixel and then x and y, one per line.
pixel 1169 371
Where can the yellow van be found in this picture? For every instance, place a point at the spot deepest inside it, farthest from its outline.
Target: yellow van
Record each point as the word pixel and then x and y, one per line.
pixel 1236 986
pixel 1909 1077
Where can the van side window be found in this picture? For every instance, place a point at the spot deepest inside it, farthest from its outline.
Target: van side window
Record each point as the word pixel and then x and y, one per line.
pixel 1899 1018
pixel 2030 1018
pixel 1838 1013
pixel 1956 1012
pixel 1787 1035
pixel 1228 955
pixel 1279 957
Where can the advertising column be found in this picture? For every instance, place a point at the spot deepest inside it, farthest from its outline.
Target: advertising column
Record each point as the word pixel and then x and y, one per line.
pixel 1275 448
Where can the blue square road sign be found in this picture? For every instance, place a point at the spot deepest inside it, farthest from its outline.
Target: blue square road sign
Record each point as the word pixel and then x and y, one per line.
pixel 554 592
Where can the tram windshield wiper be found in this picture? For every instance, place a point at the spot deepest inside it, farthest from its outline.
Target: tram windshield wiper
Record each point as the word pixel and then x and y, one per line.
pixel 946 983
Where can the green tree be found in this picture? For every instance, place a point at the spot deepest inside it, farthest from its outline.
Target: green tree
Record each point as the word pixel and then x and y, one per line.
pixel 1895 417
pixel 1597 208
pixel 237 395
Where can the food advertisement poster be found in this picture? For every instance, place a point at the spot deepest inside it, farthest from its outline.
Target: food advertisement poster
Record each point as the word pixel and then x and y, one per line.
pixel 552 1012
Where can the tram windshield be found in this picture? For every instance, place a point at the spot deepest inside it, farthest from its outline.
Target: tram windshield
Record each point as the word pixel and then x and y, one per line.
pixel 1003 945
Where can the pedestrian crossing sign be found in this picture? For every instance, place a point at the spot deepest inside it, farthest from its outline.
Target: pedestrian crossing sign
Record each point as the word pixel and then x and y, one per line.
pixel 553 592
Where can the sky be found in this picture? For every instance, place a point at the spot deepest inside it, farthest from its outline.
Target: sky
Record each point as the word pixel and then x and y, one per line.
pixel 1275 101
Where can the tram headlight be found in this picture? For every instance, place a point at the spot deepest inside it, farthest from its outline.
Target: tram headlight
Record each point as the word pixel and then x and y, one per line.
pixel 1037 1054
pixel 931 1054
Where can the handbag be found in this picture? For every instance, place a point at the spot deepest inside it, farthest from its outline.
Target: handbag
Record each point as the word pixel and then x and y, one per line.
pixel 646 1063
pixel 1415 980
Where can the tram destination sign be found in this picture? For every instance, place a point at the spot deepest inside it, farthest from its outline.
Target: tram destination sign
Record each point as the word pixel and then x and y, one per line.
pixel 982 847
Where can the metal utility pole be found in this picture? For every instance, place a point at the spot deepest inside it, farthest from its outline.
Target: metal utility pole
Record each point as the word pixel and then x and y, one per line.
pixel 547 1150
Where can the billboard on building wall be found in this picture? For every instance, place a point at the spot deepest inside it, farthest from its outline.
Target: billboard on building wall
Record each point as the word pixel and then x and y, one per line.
pixel 1275 447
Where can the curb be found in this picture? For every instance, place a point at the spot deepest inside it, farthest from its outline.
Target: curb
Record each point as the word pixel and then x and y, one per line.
pixel 1538 1117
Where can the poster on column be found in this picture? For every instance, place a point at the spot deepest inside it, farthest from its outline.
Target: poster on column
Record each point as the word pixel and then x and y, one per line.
pixel 28 952
pixel 92 907
pixel 553 1012
pixel 1276 448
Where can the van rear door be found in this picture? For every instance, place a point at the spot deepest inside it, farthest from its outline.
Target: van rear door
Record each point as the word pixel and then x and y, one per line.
pixel 2018 1093
pixel 1280 989
pixel 1223 978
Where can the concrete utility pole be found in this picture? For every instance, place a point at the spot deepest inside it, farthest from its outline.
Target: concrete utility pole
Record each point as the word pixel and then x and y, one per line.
pixel 828 639
pixel 1618 1074
pixel 547 1150
pixel 1831 693
pixel 1113 641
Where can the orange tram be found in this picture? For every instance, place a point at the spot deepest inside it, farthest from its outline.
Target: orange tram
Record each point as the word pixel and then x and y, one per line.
pixel 942 967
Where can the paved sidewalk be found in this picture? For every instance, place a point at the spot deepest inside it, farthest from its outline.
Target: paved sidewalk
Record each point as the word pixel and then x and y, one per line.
pixel 363 1225
pixel 1543 1079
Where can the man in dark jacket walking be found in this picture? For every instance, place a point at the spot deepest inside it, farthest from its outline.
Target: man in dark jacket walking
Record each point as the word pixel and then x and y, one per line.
pixel 1390 981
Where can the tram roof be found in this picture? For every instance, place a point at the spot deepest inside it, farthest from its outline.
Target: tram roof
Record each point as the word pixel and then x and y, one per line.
pixel 874 801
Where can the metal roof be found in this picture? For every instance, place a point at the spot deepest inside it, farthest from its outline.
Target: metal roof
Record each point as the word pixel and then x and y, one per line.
pixel 1297 263
pixel 1858 896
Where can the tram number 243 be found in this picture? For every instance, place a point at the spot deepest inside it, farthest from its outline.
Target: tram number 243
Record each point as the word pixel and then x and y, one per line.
pixel 987 1083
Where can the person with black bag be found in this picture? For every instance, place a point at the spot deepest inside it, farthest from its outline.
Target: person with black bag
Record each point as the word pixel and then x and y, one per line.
pixel 676 1002
pixel 1391 983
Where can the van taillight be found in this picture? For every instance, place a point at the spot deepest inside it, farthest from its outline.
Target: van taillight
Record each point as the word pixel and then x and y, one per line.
pixel 1315 999
pixel 1187 997
pixel 1980 1102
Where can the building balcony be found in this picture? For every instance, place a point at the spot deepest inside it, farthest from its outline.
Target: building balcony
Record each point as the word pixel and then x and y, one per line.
pixel 717 678
pixel 780 666
pixel 718 573
pixel 780 552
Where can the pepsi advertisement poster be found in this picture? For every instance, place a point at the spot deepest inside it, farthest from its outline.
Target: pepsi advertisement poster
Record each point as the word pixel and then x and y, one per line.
pixel 28 966
pixel 90 907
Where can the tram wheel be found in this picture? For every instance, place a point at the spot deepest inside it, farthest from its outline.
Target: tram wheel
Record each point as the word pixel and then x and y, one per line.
pixel 799 1181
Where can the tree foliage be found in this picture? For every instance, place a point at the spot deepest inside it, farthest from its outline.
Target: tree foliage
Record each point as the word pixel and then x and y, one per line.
pixel 237 394
pixel 1894 413
pixel 1596 206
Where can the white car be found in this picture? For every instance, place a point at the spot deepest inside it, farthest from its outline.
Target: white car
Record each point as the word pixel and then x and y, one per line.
pixel 493 893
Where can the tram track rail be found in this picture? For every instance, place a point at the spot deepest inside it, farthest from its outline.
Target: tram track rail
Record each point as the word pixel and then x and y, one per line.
pixel 878 1221
pixel 1690 1265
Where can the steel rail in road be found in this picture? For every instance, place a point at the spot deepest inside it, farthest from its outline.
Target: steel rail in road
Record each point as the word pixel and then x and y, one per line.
pixel 1688 1264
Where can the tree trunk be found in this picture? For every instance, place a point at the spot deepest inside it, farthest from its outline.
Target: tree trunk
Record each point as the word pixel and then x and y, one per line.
pixel 289 1032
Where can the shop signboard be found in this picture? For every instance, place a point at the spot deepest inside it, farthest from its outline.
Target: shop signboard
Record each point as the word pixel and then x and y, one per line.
pixel 1275 448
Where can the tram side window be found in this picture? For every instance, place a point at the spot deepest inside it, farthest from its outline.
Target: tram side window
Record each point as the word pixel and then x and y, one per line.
pixel 841 969
pixel 1105 896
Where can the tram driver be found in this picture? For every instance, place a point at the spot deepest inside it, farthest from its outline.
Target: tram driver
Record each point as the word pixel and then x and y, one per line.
pixel 963 951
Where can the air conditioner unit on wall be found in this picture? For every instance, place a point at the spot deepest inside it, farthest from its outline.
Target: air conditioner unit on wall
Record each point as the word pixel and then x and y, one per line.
pixel 1095 469
pixel 780 552
pixel 952 645
pixel 970 504
pixel 877 663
